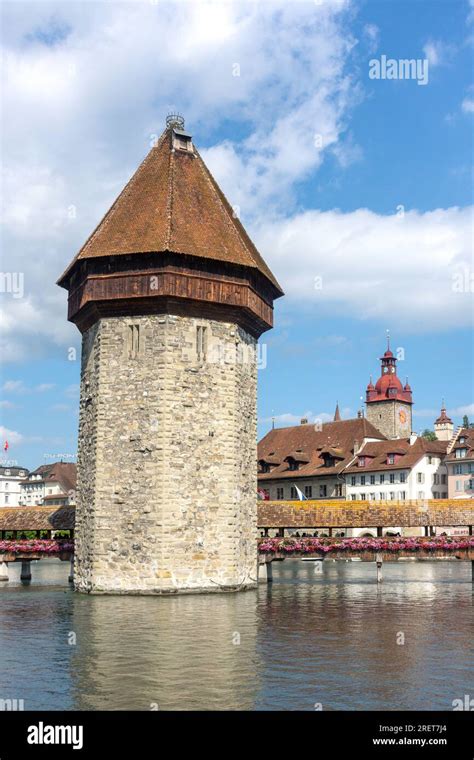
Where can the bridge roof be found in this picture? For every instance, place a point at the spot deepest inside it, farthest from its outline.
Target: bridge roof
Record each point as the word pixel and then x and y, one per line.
pixel 37 518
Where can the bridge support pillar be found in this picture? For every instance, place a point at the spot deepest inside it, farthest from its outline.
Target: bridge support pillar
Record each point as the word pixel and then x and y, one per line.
pixel 265 572
pixel 4 571
pixel 379 563
pixel 71 571
pixel 25 574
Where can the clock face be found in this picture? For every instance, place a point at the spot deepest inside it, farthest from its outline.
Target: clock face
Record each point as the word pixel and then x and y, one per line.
pixel 392 370
pixel 402 415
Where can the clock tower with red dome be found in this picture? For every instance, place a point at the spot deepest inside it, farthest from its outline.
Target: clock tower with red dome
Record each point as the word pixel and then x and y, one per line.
pixel 389 403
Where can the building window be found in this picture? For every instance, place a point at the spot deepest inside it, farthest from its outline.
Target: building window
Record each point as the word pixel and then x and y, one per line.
pixel 430 460
pixel 403 477
pixel 458 485
pixel 420 477
pixel 362 497
pixel 338 489
pixel 7 472
pixel 403 495
pixel 353 497
pixel 292 492
pixel 391 459
pixel 462 439
pixel 353 480
pixel 362 480
pixel 361 461
pixel 392 496
pixel 372 496
pixel 382 478
pixel 443 480
pixel 458 469
pixel 323 492
pixel 421 494
pixel 133 341
pixel 382 495
pixel 201 342
pixel 435 494
pixel 436 479
pixel 6 498
pixel 392 477
pixel 461 453
pixel 280 493
pixel 372 480
pixel 292 464
pixel 308 492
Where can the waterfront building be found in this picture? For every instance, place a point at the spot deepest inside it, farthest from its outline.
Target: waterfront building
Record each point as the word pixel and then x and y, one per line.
pixel 388 402
pixel 398 470
pixel 11 478
pixel 311 457
pixel 460 464
pixel 170 296
pixel 49 485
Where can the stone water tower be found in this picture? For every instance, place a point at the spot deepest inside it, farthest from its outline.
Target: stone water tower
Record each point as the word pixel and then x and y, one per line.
pixel 170 296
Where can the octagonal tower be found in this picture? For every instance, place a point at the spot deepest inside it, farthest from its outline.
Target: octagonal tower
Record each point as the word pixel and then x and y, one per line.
pixel 170 296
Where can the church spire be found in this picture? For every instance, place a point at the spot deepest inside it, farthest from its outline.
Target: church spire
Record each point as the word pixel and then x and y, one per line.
pixel 337 414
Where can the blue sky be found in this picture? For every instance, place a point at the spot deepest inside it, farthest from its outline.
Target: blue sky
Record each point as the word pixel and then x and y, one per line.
pixel 380 209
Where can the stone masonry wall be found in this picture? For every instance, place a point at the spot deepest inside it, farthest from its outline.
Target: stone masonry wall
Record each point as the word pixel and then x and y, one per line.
pixel 166 462
pixel 384 415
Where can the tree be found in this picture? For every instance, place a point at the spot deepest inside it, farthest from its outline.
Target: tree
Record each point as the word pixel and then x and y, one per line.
pixel 465 421
pixel 430 435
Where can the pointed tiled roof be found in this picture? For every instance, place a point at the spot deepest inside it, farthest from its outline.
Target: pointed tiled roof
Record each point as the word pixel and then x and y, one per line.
pixel 335 438
pixel 337 414
pixel 172 203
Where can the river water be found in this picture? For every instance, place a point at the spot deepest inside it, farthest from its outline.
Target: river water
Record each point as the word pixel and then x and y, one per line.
pixel 330 641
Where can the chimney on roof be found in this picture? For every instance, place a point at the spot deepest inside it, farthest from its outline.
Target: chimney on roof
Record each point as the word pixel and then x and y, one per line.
pixel 304 421
pixel 359 414
pixel 413 438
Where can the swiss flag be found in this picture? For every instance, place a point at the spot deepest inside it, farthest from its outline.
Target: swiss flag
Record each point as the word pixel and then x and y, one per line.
pixel 6 446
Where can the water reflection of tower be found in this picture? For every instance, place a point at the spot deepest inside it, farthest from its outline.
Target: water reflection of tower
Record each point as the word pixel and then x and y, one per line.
pixel 179 653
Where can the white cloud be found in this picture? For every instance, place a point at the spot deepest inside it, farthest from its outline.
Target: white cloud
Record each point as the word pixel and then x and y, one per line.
pixel 14 386
pixel 44 387
pixel 468 105
pixel 85 92
pixel 414 271
pixel 438 53
pixel 288 419
pixel 12 436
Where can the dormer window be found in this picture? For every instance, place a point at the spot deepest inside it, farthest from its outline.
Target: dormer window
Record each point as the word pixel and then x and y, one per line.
pixel 462 439
pixel 182 141
pixel 293 464
pixel 461 453
pixel 390 458
pixel 361 461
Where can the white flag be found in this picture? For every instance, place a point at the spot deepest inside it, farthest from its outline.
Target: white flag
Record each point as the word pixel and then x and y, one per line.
pixel 300 494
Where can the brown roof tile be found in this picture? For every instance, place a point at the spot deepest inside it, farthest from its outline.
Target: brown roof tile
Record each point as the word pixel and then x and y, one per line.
pixel 409 455
pixel 37 518
pixel 468 434
pixel 338 436
pixel 172 203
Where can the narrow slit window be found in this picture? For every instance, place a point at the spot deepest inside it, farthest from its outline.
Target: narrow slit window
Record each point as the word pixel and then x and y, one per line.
pixel 133 341
pixel 201 342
